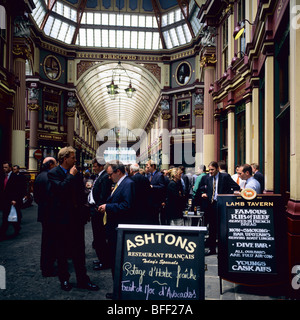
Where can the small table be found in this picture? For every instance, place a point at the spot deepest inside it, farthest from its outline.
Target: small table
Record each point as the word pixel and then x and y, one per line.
pixel 188 218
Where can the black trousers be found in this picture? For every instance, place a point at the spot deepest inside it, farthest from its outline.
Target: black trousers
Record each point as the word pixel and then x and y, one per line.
pixel 48 249
pixel 212 219
pixel 99 236
pixel 70 243
pixel 5 223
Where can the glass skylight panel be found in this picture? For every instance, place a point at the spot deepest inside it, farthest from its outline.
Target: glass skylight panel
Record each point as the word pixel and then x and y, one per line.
pixel 156 41
pixel 149 21
pixel 83 19
pixel 89 18
pixel 55 28
pixel 178 15
pixel 141 40
pixel 112 38
pixel 112 19
pixel 134 39
pixel 82 37
pixel 142 21
pixel 63 31
pixel 120 39
pixel 127 35
pixel 167 39
pixel 134 21
pixel 97 38
pixel 164 20
pixel 174 37
pixel 69 35
pixel 48 25
pixel 73 15
pixel 127 22
pixel 105 19
pixel 148 42
pixel 59 8
pixel 180 35
pixel 171 17
pixel 104 38
pixel 97 18
pixel 90 37
pixel 187 33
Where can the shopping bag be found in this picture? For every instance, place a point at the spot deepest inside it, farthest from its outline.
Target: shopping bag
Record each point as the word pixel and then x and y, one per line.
pixel 12 217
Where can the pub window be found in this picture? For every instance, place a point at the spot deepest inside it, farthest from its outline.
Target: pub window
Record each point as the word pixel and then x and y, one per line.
pixel 225 45
pixel 2 34
pixel 51 111
pixel 241 17
pixel 224 137
pixel 240 136
pixel 184 113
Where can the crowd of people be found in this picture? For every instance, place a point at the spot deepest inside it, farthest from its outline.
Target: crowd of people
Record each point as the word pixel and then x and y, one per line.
pixel 116 194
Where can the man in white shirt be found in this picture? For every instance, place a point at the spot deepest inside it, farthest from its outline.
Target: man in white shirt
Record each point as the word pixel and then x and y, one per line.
pixel 236 178
pixel 245 173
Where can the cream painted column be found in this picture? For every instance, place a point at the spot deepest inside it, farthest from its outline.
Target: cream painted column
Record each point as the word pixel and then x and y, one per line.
pixel 255 126
pixel 269 124
pixel 70 136
pixel 248 120
pixel 198 138
pixel 231 138
pixel 18 132
pixel 33 138
pixel 295 100
pixel 165 141
pixel 208 118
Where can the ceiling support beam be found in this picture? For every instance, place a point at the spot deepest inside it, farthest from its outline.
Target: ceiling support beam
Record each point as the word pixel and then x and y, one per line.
pixel 184 7
pixel 158 19
pixel 80 11
pixel 50 7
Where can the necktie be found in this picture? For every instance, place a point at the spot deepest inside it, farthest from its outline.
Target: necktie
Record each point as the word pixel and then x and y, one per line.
pixel 105 214
pixel 238 180
pixel 214 189
pixel 5 181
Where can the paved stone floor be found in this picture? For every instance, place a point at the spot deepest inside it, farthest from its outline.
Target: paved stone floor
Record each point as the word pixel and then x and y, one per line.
pixel 20 258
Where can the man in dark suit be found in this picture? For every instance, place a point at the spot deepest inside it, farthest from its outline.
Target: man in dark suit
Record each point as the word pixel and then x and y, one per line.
pixel 217 183
pixel 11 193
pixel 118 208
pixel 98 195
pixel 141 205
pixel 69 216
pixel 41 194
pixel 258 176
pixel 158 192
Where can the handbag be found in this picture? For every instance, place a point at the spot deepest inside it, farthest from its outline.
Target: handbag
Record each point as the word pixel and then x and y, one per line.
pixel 12 217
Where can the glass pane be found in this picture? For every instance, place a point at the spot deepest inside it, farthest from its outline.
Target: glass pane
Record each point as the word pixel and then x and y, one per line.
pixel 83 19
pixel 70 34
pixel 142 21
pixel 90 37
pixel 141 43
pixel 73 15
pixel 126 36
pixel 134 20
pixel 97 18
pixel 149 21
pixel 105 38
pixel 97 38
pixel 55 28
pixel 133 39
pixel 174 38
pixel 148 44
pixel 105 19
pixel 127 20
pixel 63 30
pixel 156 41
pixel 82 38
pixel 48 25
pixel 89 18
pixel 112 19
pixel 120 39
pixel 112 39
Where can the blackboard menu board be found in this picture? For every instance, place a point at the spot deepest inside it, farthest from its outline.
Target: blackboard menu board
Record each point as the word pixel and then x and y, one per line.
pixel 159 263
pixel 252 239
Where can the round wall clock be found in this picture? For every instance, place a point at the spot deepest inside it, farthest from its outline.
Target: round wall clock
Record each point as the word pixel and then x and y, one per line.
pixel 52 67
pixel 183 73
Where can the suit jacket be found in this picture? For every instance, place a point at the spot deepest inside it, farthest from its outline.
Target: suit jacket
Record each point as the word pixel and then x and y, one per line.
pixel 175 201
pixel 226 185
pixel 41 194
pixel 67 197
pixel 119 205
pixel 14 191
pixel 102 189
pixel 260 178
pixel 158 192
pixel 141 204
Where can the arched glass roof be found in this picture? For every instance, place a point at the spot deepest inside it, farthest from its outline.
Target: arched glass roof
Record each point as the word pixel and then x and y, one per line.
pixel 131 113
pixel 110 24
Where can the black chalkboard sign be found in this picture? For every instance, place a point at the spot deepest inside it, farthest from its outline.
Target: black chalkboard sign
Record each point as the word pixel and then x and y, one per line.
pixel 252 240
pixel 159 263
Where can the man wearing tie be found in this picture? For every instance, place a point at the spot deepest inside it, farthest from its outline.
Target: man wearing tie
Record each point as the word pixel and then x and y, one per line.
pixel 118 208
pixel 11 193
pixel 98 195
pixel 68 215
pixel 218 183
